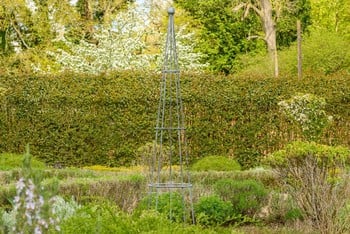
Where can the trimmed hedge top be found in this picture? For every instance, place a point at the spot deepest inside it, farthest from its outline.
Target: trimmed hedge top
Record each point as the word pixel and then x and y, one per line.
pixel 87 120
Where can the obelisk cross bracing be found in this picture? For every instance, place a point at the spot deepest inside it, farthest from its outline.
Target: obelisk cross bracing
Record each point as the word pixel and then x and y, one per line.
pixel 169 165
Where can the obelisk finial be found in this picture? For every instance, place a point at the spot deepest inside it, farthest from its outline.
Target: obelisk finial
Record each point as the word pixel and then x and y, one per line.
pixel 171 10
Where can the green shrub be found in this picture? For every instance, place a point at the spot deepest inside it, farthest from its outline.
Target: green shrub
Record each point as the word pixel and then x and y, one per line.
pixel 212 211
pixel 329 158
pixel 97 218
pixel 316 177
pixel 293 214
pixel 105 218
pixel 170 204
pixel 216 163
pixel 14 161
pixel 246 196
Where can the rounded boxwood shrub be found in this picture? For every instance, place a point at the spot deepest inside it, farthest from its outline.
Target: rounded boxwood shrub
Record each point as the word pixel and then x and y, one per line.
pixel 216 163
pixel 246 196
pixel 212 211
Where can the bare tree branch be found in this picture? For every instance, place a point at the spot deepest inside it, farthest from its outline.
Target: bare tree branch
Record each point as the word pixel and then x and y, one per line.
pixel 19 34
pixel 258 11
pixel 255 37
pixel 238 7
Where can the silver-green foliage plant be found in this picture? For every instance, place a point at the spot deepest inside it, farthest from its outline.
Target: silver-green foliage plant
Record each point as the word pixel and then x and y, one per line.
pixel 246 196
pixel 64 209
pixel 307 110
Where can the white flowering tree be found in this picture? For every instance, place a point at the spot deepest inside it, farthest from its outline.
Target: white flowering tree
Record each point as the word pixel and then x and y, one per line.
pixel 307 110
pixel 122 45
pixel 119 46
pixel 189 60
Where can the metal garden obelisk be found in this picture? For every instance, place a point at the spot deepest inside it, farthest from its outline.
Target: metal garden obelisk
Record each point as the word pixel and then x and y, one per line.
pixel 169 164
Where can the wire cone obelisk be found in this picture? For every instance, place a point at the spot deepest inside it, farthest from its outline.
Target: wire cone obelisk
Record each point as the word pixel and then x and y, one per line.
pixel 169 175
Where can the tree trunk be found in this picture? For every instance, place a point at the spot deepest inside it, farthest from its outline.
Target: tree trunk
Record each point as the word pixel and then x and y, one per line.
pixel 270 32
pixel 89 21
pixel 299 49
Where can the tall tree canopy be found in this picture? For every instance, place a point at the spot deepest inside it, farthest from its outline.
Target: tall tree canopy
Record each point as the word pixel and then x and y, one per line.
pixel 334 16
pixel 229 26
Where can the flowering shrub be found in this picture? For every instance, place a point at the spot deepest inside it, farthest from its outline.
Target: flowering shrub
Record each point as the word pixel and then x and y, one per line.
pixel 60 209
pixel 32 211
pixel 308 111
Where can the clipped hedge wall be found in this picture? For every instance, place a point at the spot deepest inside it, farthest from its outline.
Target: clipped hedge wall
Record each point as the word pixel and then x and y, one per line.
pixel 85 120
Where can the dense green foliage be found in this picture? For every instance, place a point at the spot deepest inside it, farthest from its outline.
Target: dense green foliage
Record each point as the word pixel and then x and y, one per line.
pixel 332 16
pixel 12 161
pixel 323 53
pixel 296 153
pixel 246 196
pixel 226 33
pixel 169 204
pixel 216 163
pixel 222 32
pixel 212 210
pixel 104 218
pixel 89 120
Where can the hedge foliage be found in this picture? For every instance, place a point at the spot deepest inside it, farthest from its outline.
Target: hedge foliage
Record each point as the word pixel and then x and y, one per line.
pixel 87 120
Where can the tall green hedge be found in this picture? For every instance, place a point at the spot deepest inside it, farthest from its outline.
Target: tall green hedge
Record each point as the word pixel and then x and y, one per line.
pixel 82 120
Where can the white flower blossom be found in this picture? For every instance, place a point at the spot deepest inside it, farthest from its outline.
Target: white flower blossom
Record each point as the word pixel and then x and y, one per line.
pixel 308 111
